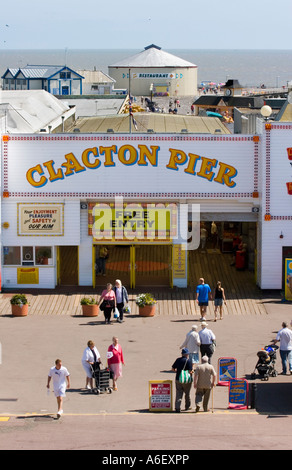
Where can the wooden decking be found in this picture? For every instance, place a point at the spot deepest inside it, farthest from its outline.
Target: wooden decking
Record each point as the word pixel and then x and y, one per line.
pixel 244 297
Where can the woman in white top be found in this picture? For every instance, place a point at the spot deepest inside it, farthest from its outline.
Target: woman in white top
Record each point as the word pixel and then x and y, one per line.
pixel 90 356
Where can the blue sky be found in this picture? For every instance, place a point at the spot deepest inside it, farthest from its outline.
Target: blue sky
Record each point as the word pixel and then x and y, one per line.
pixel 132 24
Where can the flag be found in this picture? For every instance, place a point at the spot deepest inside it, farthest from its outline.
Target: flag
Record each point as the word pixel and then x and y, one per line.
pixel 134 123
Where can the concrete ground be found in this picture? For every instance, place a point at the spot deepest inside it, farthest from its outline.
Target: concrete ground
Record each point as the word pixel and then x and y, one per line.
pixel 121 421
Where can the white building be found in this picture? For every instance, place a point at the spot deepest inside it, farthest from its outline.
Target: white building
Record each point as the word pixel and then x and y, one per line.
pixel 96 82
pixel 56 79
pixel 155 71
pixel 64 195
pixel 30 111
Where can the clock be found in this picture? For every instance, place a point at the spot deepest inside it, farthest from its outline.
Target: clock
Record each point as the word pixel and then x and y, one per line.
pixel 227 92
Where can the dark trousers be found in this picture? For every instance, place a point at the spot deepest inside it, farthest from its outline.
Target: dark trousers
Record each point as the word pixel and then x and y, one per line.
pixel 107 313
pixel 182 389
pixel 120 308
pixel 207 350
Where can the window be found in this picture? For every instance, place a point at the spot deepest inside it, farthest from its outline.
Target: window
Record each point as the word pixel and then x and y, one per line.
pixel 65 75
pixel 43 255
pixel 11 255
pixel 27 255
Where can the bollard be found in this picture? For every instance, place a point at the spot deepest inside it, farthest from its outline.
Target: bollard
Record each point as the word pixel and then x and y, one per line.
pixel 253 392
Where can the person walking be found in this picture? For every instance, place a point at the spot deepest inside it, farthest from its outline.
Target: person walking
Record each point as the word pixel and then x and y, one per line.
pixel 122 298
pixel 219 298
pixel 284 336
pixel 115 360
pixel 182 363
pixel 91 357
pixel 107 302
pixel 203 294
pixel 208 341
pixel 59 374
pixel 204 381
pixel 103 256
pixel 192 343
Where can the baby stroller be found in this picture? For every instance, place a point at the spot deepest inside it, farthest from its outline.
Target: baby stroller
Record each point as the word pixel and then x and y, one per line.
pixel 266 363
pixel 101 378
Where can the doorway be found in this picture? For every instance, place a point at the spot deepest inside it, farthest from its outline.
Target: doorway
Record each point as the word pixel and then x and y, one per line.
pixel 134 265
pixel 68 265
pixel 116 264
pixel 152 265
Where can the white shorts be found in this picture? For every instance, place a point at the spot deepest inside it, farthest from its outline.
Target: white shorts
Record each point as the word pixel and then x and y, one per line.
pixel 60 392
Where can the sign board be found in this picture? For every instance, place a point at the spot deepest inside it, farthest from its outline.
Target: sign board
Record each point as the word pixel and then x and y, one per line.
pixel 160 395
pixel 227 370
pixel 40 219
pixel 238 394
pixel 27 275
pixel 288 278
pixel 162 166
pixel 179 261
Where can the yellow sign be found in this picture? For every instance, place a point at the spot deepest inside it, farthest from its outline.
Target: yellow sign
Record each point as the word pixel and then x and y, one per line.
pixel 160 395
pixel 179 261
pixel 288 278
pixel 133 222
pixel 27 275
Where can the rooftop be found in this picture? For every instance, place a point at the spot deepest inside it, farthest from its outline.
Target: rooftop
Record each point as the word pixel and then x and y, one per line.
pixel 153 56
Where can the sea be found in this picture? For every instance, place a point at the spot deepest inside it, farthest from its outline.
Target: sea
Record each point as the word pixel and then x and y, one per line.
pixel 252 68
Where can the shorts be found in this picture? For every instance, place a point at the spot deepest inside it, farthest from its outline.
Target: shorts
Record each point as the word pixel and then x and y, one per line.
pixel 194 357
pixel 60 391
pixel 218 302
pixel 203 304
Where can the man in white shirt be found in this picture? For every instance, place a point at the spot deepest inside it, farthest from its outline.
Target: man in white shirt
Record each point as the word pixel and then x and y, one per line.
pixel 284 336
pixel 59 374
pixel 207 339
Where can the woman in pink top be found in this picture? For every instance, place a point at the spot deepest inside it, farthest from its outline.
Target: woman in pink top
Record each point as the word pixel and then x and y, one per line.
pixel 115 359
pixel 108 302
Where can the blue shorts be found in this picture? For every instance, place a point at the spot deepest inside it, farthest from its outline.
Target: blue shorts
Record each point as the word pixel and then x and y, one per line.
pixel 194 357
pixel 218 302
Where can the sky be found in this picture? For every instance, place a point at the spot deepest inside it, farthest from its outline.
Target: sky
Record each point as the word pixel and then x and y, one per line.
pixel 132 24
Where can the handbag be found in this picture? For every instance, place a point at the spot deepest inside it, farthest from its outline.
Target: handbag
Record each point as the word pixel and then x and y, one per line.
pixel 102 305
pixel 185 377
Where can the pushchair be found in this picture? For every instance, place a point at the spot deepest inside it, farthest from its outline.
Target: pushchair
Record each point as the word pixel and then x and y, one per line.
pixel 266 363
pixel 101 378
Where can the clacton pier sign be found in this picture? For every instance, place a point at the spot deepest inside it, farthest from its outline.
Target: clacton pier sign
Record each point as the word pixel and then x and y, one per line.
pixel 99 164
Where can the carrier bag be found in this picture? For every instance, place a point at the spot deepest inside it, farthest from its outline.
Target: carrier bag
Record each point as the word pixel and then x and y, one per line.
pixel 116 313
pixel 185 377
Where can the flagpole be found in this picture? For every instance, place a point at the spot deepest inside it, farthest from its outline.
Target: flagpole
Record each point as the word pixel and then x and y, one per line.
pixel 130 103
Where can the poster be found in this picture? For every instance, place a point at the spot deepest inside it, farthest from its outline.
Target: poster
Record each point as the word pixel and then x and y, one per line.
pixel 40 219
pixel 238 394
pixel 160 395
pixel 288 278
pixel 179 261
pixel 227 370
